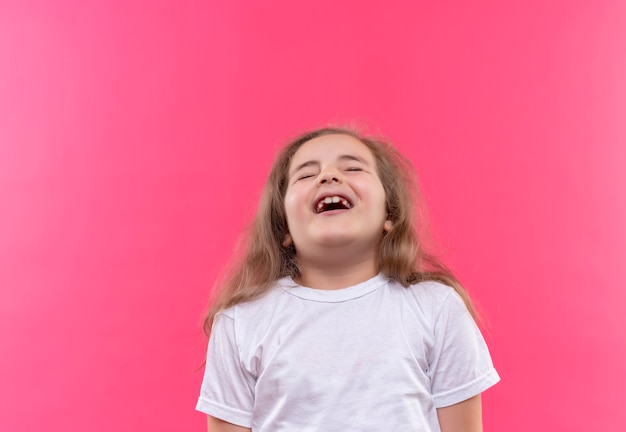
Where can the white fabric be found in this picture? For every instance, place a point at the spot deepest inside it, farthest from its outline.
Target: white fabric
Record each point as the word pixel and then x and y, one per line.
pixel 372 357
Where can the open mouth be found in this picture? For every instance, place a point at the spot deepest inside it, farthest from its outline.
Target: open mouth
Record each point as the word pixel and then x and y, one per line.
pixel 334 202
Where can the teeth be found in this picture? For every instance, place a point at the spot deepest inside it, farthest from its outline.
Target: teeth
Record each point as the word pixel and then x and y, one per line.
pixel 333 200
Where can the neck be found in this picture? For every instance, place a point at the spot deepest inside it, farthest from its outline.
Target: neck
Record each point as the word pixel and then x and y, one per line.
pixel 331 275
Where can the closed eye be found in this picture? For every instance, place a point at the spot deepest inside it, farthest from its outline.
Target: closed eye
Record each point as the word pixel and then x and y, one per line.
pixel 305 176
pixel 354 169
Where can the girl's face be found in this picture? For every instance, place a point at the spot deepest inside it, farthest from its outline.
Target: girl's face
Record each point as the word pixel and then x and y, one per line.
pixel 334 197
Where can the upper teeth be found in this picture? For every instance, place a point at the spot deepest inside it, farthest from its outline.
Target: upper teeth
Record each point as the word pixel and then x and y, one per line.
pixel 333 199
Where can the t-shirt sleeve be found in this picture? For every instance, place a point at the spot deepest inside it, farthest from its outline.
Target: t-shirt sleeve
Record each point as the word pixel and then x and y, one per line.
pixel 227 390
pixel 460 366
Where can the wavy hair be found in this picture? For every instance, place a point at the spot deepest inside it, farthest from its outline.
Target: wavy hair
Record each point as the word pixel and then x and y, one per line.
pixel 402 256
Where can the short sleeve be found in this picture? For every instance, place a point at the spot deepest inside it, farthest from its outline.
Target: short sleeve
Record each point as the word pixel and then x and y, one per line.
pixel 460 366
pixel 227 390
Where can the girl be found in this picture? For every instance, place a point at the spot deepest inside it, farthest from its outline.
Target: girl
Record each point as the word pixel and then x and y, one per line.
pixel 336 319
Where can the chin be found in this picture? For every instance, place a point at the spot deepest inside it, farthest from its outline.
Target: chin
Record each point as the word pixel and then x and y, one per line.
pixel 339 239
pixel 334 241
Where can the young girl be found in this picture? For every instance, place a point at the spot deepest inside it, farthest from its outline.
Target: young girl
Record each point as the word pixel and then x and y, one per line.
pixel 336 319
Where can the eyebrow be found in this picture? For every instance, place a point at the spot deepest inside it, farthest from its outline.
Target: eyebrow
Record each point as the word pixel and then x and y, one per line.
pixel 341 158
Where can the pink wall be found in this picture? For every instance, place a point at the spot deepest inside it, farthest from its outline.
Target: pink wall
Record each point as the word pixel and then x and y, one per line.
pixel 134 138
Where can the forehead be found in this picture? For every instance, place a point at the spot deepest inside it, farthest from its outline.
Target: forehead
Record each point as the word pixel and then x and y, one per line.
pixel 332 147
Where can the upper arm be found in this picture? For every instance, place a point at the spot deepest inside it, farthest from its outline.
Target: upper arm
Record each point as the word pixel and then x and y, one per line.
pixel 459 364
pixel 227 390
pixel 217 425
pixel 464 416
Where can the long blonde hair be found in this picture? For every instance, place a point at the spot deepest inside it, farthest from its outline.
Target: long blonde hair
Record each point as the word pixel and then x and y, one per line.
pixel 401 255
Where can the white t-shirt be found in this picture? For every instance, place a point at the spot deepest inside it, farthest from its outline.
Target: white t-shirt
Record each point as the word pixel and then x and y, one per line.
pixel 371 357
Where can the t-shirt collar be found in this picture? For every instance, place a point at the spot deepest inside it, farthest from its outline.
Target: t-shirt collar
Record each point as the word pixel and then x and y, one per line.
pixel 288 285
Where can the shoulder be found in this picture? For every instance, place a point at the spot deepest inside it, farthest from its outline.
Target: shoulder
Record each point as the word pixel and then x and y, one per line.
pixel 259 305
pixel 431 294
pixel 431 289
pixel 428 301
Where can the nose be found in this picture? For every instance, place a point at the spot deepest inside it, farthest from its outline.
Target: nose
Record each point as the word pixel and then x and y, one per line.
pixel 329 175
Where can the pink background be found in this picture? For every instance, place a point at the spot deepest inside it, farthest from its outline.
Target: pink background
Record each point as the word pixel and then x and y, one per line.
pixel 135 136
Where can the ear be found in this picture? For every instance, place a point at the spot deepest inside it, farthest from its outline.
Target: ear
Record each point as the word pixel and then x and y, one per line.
pixel 387 225
pixel 287 241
